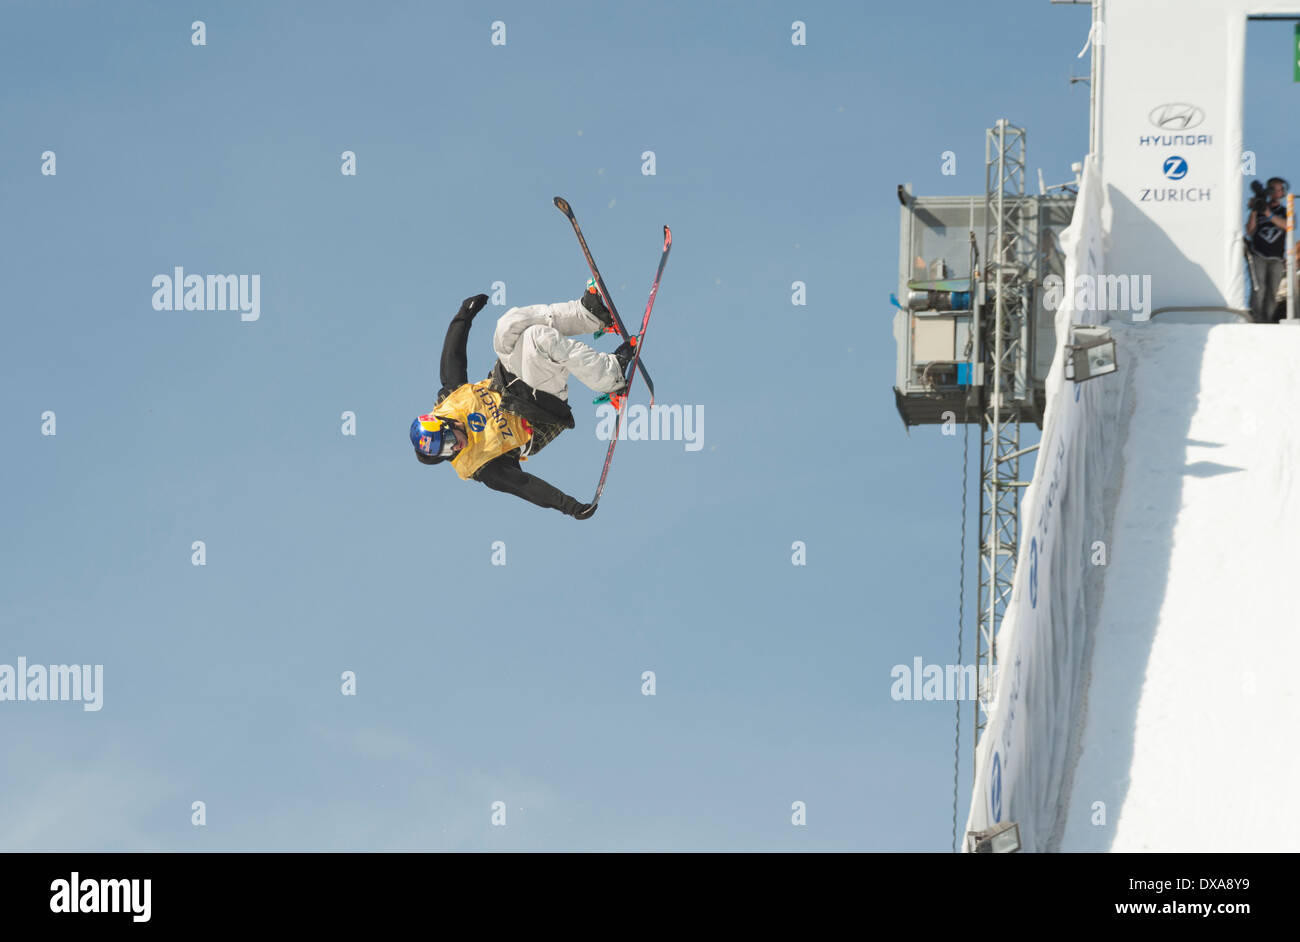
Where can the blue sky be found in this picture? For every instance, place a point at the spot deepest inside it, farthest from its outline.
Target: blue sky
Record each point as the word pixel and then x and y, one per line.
pixel 329 553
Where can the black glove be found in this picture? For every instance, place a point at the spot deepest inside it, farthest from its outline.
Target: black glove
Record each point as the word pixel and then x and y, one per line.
pixel 472 306
pixel 575 508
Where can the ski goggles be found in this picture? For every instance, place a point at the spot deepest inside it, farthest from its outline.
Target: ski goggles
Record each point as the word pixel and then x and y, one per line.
pixel 450 444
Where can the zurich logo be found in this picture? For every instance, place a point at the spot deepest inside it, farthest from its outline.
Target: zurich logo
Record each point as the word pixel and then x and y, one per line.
pixel 476 421
pixel 1175 168
pixel 1176 117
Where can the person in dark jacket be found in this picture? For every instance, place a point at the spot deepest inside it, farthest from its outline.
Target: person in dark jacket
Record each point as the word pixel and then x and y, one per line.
pixel 486 429
pixel 1266 232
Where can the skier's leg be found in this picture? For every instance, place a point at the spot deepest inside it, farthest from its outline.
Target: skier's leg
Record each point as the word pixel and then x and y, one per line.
pixel 547 359
pixel 569 318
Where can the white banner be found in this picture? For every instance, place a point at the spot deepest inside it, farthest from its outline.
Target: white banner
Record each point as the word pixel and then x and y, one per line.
pixel 1023 756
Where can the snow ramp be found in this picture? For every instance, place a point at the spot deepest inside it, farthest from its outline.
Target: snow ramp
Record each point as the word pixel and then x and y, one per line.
pixel 1187 734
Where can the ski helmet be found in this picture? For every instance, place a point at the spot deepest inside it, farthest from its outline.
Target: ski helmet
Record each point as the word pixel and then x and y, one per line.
pixel 432 437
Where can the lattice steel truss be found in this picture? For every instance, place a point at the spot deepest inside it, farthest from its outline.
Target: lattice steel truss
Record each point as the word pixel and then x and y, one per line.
pixel 1010 246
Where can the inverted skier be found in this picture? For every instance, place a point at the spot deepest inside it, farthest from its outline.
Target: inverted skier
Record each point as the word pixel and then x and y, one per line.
pixel 486 428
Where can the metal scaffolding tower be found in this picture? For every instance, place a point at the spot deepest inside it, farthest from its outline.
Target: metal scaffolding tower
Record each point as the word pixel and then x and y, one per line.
pixel 1010 245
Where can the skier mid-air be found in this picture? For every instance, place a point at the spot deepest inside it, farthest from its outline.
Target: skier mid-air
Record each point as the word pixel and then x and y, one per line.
pixel 486 428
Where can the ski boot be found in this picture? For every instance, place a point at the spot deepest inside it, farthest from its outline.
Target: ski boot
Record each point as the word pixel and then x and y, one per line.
pixel 617 397
pixel 592 302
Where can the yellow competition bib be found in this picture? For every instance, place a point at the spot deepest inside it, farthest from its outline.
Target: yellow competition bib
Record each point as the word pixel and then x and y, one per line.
pixel 491 430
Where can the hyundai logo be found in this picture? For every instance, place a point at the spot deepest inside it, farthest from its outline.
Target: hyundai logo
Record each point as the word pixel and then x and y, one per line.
pixel 1176 117
pixel 1175 168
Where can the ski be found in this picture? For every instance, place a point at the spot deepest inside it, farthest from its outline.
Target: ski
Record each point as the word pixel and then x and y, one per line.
pixel 563 206
pixel 631 367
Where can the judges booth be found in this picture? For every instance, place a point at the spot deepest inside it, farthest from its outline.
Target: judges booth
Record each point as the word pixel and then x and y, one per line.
pixel 944 304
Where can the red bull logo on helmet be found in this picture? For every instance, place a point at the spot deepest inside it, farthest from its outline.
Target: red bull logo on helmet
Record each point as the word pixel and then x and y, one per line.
pixel 429 437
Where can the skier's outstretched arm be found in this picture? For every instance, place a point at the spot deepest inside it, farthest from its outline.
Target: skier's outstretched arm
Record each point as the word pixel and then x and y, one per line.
pixel 454 370
pixel 504 474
